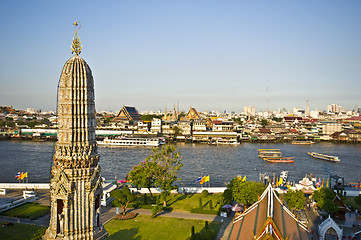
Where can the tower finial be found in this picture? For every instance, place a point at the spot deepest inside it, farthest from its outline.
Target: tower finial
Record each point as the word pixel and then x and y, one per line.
pixel 75 46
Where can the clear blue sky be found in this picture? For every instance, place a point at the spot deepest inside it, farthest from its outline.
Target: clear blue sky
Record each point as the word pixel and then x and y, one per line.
pixel 212 55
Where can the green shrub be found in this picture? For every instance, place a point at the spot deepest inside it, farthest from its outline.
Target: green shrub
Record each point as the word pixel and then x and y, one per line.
pixel 192 232
pixel 207 234
pixel 145 200
pixel 39 234
pixel 200 206
pixel 154 211
pixel 205 193
pixel 227 196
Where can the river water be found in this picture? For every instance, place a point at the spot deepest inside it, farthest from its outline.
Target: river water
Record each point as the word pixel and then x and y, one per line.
pixel 221 163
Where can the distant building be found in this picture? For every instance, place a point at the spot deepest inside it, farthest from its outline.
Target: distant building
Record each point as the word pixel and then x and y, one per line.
pixel 335 108
pixel 156 125
pixel 249 111
pixel 331 128
pixel 127 113
pixel 193 114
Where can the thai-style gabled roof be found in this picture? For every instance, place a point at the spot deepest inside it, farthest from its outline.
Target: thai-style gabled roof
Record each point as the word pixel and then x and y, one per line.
pixel 268 219
pixel 306 182
pixel 192 114
pixel 305 185
pixel 128 114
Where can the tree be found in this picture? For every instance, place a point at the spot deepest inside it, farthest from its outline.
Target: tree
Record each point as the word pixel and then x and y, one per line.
pixel 264 122
pixel 177 131
pixel 169 162
pixel 246 192
pixel 144 174
pixel 324 198
pixel 122 198
pixel 295 199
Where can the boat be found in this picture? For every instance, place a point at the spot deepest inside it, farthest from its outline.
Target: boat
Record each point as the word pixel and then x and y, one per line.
pixel 130 141
pixel 324 157
pixel 269 153
pixel 223 141
pixel 302 142
pixel 280 160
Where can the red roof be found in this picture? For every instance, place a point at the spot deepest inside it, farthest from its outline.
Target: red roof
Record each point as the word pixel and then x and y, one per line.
pixel 354 118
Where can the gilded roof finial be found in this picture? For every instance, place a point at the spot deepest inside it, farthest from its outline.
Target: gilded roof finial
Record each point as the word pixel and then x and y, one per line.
pixel 75 46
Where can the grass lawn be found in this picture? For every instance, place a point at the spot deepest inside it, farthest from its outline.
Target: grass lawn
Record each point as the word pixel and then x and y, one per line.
pixel 18 231
pixel 350 201
pixel 146 227
pixel 28 210
pixel 185 203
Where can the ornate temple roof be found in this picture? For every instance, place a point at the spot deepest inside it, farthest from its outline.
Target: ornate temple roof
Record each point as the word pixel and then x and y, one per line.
pixel 268 218
pixel 305 185
pixel 127 114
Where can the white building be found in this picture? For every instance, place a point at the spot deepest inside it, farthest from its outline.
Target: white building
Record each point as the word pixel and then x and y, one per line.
pixel 156 125
pixel 331 128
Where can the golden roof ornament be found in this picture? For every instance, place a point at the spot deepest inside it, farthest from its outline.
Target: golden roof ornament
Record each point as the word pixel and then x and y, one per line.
pixel 75 46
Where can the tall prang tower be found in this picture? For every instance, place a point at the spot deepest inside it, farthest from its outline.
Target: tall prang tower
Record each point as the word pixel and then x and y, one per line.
pixel 76 183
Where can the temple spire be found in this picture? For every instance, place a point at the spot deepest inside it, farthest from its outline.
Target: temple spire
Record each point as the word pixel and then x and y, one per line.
pixel 75 46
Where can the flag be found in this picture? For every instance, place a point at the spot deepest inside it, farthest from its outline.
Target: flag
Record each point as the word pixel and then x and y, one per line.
pixel 244 179
pixel 323 181
pixel 277 182
pixel 17 176
pixel 273 181
pixel 281 181
pixel 202 181
pixel 318 184
pixel 239 178
pixel 206 179
pixel 25 175
pixel 21 176
pixel 199 179
pixel 359 184
pixel 327 183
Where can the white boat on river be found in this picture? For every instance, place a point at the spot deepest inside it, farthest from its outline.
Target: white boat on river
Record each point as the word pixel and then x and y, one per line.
pixel 131 142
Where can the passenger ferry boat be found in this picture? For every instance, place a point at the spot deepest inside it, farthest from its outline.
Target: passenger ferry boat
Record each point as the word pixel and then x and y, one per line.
pixel 302 142
pixel 324 157
pixel 274 156
pixel 222 141
pixel 129 142
pixel 280 160
pixel 269 153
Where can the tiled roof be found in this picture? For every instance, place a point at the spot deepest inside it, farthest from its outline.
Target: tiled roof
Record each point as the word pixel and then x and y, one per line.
pixel 268 219
pixel 128 113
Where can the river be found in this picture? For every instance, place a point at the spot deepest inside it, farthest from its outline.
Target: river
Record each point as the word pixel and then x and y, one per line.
pixel 221 163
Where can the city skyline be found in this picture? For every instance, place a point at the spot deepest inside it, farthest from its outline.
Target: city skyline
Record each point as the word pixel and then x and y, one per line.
pixel 205 54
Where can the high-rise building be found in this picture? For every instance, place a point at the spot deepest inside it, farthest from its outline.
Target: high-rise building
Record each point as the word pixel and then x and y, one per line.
pixel 76 183
pixel 307 113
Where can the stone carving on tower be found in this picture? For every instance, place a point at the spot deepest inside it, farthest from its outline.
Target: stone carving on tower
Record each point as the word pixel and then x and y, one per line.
pixel 76 185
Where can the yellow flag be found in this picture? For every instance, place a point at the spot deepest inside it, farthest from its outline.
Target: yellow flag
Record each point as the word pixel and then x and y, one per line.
pixel 25 175
pixel 239 178
pixel 244 179
pixel 281 181
pixel 277 182
pixel 327 184
pixel 206 179
pixel 21 176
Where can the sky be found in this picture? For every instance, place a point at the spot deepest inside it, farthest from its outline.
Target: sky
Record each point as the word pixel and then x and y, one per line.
pixel 211 55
